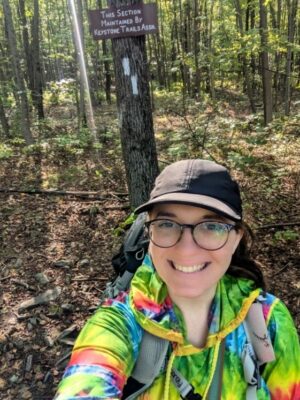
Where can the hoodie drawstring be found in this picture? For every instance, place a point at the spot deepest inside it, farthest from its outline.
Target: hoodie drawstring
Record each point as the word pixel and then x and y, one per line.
pixel 168 376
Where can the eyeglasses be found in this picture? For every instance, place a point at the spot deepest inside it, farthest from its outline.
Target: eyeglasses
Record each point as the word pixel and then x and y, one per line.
pixel 208 235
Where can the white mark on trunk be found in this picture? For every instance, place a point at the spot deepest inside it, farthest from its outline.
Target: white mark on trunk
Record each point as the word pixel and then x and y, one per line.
pixel 126 66
pixel 120 118
pixel 134 85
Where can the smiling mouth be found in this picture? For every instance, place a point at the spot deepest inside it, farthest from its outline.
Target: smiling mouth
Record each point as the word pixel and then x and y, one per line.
pixel 191 268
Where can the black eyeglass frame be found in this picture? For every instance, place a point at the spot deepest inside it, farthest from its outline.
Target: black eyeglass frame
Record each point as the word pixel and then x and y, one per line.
pixel 229 228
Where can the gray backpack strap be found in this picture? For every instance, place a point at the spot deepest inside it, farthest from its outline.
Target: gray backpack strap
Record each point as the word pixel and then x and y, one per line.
pixel 258 349
pixel 151 359
pixel 121 284
pixel 215 389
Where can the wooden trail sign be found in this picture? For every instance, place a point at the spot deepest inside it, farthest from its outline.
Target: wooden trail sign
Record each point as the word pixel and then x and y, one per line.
pixel 134 20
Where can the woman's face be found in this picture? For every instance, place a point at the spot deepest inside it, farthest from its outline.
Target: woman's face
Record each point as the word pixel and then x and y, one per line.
pixel 188 270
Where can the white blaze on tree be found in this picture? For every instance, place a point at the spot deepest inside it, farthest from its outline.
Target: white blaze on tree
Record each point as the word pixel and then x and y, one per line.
pixel 134 85
pixel 126 66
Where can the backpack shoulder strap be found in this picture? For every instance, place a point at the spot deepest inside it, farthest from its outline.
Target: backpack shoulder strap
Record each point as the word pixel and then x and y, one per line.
pixel 150 362
pixel 215 390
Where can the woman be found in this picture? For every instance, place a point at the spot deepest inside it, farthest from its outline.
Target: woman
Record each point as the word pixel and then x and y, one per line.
pixel 195 289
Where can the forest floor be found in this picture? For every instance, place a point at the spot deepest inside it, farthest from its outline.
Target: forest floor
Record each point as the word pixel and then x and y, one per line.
pixel 62 245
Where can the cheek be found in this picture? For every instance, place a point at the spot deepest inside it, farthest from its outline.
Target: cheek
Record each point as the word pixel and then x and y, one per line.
pixel 155 252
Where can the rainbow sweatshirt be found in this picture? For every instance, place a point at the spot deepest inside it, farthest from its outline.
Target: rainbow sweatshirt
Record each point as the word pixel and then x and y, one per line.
pixel 107 347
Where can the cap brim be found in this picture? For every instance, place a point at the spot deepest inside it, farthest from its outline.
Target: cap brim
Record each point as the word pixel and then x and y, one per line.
pixel 196 200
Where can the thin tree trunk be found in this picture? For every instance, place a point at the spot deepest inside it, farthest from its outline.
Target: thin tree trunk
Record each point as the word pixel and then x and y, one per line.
pixel 276 21
pixel 20 91
pixel 292 11
pixel 26 44
pixel 250 24
pixel 246 75
pixel 3 99
pixel 37 92
pixel 206 46
pixel 107 72
pixel 4 120
pixel 77 35
pixel 196 46
pixel 266 73
pixel 211 52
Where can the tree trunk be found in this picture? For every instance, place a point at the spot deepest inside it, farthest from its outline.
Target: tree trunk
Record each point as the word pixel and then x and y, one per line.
pixel 37 91
pixel 246 75
pixel 196 43
pixel 107 72
pixel 250 25
pixel 135 114
pixel 292 11
pixel 20 91
pixel 266 73
pixel 77 35
pixel 206 67
pixel 3 98
pixel 26 44
pixel 211 53
pixel 276 21
pixel 4 121
pixel 158 59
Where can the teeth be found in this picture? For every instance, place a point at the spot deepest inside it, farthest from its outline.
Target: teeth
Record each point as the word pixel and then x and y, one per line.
pixel 191 268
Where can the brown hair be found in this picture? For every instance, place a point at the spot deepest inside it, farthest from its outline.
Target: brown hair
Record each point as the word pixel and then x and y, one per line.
pixel 242 264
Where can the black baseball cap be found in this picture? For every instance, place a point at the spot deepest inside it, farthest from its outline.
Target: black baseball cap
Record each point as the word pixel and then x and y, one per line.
pixel 200 183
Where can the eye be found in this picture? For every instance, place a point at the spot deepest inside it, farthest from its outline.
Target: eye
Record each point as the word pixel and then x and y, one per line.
pixel 165 224
pixel 216 227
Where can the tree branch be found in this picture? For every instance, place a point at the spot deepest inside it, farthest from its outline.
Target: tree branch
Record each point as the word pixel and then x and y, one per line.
pixel 279 225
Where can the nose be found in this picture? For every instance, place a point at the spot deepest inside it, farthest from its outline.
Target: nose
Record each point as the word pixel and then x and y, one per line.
pixel 187 240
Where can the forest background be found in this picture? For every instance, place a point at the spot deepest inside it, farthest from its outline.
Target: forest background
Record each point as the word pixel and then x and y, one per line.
pixel 224 80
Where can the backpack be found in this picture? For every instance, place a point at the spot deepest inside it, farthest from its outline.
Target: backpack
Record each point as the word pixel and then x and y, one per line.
pixel 153 354
pixel 129 257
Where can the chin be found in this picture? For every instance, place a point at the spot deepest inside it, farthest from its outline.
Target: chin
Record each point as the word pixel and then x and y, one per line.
pixel 188 292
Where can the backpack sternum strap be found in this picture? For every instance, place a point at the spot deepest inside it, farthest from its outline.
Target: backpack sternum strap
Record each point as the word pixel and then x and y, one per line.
pixel 184 388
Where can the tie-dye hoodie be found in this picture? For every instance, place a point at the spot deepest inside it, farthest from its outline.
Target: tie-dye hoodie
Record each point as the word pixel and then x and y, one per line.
pixel 108 345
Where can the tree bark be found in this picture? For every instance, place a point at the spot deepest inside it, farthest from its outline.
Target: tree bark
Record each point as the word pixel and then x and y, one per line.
pixel 4 121
pixel 276 22
pixel 20 91
pixel 3 99
pixel 107 72
pixel 246 75
pixel 292 11
pixel 135 113
pixel 37 90
pixel 26 44
pixel 196 45
pixel 266 73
